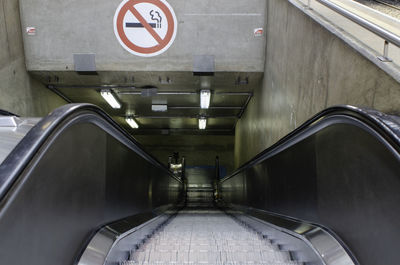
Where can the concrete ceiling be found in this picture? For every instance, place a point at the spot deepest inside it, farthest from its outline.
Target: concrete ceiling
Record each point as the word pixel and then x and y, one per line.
pixel 230 93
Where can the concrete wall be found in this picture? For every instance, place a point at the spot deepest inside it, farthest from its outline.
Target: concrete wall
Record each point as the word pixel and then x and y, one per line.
pixel 199 150
pixel 307 69
pixel 222 28
pixel 19 93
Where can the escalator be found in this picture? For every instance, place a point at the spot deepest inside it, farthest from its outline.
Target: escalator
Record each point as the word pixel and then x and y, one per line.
pixel 207 236
pixel 202 233
pixel 75 188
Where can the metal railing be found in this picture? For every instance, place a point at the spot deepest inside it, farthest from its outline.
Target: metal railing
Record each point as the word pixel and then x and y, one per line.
pixel 389 37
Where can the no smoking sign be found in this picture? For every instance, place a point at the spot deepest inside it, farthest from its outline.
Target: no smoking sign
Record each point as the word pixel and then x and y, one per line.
pixel 145 27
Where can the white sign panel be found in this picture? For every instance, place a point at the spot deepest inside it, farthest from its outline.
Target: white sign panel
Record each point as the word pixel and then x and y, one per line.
pixel 145 27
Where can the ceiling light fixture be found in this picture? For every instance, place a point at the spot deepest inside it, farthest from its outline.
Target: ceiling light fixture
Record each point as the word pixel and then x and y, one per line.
pixel 202 123
pixel 110 98
pixel 205 96
pixel 131 121
pixel 159 107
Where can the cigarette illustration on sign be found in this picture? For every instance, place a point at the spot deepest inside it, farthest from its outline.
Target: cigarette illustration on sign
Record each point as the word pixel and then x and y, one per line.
pixel 145 27
pixel 158 19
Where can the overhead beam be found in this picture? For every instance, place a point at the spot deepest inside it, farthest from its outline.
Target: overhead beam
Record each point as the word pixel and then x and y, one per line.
pixel 139 92
pixel 216 107
pixel 59 93
pixel 93 86
pixel 179 131
pixel 245 106
pixel 183 117
pixel 234 93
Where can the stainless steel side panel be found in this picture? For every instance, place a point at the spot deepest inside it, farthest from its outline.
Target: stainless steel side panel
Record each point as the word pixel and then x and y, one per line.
pixel 340 173
pixel 81 171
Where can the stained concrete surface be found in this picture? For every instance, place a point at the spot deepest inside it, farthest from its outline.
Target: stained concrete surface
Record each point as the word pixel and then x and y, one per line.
pixel 307 69
pixel 19 93
pixel 222 28
pixel 366 42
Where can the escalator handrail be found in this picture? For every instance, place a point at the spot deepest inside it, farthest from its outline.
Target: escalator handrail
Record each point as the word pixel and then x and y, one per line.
pixel 24 152
pixel 387 126
pixel 7 113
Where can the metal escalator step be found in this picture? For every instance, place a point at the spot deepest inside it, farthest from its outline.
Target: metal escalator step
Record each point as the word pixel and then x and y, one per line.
pixel 196 237
pixel 218 263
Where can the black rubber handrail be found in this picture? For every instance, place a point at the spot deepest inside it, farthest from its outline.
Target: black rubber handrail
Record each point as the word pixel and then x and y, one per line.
pixel 26 149
pixel 387 126
pixel 7 113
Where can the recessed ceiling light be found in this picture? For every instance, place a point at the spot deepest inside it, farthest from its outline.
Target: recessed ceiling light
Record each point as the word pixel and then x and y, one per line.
pixel 110 98
pixel 159 107
pixel 205 96
pixel 202 123
pixel 131 121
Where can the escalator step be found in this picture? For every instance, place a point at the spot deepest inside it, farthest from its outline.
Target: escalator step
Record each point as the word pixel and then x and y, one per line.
pixel 197 237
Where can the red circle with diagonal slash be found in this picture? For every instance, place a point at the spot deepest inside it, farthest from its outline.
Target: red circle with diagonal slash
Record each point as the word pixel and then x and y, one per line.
pixel 162 42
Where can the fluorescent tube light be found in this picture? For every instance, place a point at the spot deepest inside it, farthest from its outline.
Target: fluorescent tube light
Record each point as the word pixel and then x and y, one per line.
pixel 132 122
pixel 202 123
pixel 110 98
pixel 159 108
pixel 205 96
